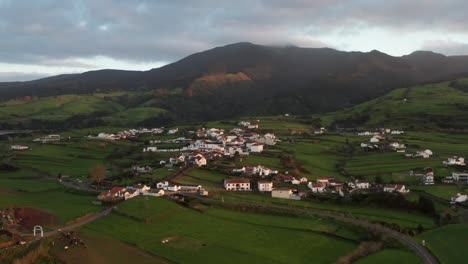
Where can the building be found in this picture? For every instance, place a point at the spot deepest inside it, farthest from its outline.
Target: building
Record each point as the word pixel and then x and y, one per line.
pixel 395 188
pixel 237 184
pixel 19 147
pixel 285 193
pixel 256 148
pixel 265 186
pixel 460 177
pixel 316 187
pixel 362 184
pixel 459 198
pixel 428 179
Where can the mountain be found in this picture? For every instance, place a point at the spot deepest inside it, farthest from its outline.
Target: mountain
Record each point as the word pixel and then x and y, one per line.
pixel 245 78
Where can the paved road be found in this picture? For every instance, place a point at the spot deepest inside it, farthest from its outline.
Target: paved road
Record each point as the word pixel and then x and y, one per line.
pixel 73 226
pixel 416 247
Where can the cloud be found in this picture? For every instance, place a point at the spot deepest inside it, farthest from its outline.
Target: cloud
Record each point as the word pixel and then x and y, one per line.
pixel 20 76
pixel 45 32
pixel 446 47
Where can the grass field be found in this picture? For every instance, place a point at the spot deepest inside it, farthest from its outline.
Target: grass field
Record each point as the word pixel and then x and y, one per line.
pixel 390 256
pixel 448 243
pixel 47 195
pixel 426 106
pixel 442 191
pixel 402 218
pixel 224 236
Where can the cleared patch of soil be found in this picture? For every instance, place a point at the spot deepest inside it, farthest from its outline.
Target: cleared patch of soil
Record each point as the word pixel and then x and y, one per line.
pixel 29 217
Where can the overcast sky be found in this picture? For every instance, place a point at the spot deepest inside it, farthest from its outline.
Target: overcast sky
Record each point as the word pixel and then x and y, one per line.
pixel 47 37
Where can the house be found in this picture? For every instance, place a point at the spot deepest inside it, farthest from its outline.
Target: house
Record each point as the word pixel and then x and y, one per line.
pixel 296 181
pixel 112 194
pixel 49 138
pixel 178 159
pixel 172 131
pixel 203 192
pixel 316 187
pixel 155 192
pixel 325 180
pixel 458 161
pixel 142 188
pixel 424 154
pixel 19 147
pixel 265 186
pixel 362 184
pixel 303 180
pixel 238 170
pixel 460 177
pixel 459 198
pixel 130 193
pixel 150 149
pixel 374 139
pixel 198 160
pixel 161 185
pixel 142 169
pixel 256 148
pixel 237 184
pixel 428 179
pixel 285 193
pixel 395 188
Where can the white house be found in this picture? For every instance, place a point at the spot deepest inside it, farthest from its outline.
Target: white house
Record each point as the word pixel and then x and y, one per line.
pixel 424 154
pixel 19 147
pixel 303 180
pixel 130 193
pixel 325 180
pixel 256 148
pixel 172 131
pixel 428 179
pixel 316 187
pixel 237 184
pixel 374 140
pixel 459 161
pixel 459 198
pixel 460 177
pixel 142 188
pixel 395 188
pixel 155 192
pixel 150 149
pixel 265 186
pixel 362 184
pixel 199 160
pixel 161 185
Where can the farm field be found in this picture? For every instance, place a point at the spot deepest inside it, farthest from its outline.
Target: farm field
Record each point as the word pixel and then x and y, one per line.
pixel 390 256
pixel 448 243
pixel 216 238
pixel 402 218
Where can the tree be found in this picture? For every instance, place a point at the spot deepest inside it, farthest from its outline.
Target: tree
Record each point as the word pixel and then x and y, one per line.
pixel 97 174
pixel 426 205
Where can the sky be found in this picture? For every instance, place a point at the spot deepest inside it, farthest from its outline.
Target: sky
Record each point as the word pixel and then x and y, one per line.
pixel 48 37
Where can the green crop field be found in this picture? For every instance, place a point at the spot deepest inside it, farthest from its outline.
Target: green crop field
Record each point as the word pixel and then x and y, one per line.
pixel 448 243
pixel 224 236
pixel 369 213
pixel 390 256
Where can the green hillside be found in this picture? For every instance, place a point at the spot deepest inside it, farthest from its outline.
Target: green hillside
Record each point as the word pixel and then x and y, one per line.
pixel 78 111
pixel 438 105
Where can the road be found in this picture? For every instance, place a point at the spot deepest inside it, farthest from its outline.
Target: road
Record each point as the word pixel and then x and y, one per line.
pixel 73 226
pixel 406 240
